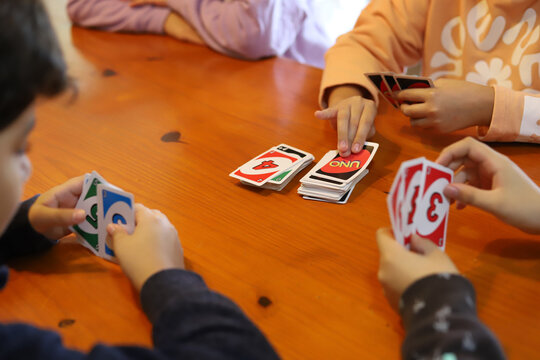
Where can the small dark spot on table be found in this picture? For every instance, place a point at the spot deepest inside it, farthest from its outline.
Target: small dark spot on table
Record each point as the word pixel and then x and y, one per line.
pixel 264 301
pixel 109 72
pixel 172 136
pixel 386 192
pixel 65 323
pixel 154 58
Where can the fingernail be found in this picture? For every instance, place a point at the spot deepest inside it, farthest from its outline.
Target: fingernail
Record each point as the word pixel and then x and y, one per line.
pixel 356 148
pixel 342 145
pixel 79 215
pixel 451 191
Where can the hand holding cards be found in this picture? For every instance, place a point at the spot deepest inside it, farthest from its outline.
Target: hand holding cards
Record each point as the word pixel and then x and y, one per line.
pixel 104 204
pixel 334 178
pixel 416 202
pixel 387 83
pixel 274 168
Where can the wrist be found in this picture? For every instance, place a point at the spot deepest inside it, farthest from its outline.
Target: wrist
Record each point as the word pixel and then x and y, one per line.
pixel 342 92
pixel 486 103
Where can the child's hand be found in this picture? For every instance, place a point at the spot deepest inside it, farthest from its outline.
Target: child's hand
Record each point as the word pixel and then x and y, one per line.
pixel 153 246
pixel 399 268
pixel 353 116
pixel 492 182
pixel 451 105
pixel 53 211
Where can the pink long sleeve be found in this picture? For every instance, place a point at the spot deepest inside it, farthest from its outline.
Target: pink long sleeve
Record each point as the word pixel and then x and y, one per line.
pixel 248 29
pixel 117 15
pixel 516 117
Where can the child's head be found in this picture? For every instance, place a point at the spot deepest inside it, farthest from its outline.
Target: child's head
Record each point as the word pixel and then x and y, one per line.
pixel 31 65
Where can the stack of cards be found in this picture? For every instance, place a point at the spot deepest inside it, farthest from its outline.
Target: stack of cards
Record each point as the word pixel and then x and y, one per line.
pixel 104 204
pixel 333 178
pixel 274 168
pixel 387 83
pixel 416 202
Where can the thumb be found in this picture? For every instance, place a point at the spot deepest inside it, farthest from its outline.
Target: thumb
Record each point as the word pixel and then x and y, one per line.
pixel 326 114
pixel 422 246
pixel 116 231
pixel 469 195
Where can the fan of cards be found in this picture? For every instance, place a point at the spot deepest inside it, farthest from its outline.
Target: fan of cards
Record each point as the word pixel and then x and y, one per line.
pixel 416 202
pixel 104 204
pixel 334 177
pixel 387 83
pixel 274 168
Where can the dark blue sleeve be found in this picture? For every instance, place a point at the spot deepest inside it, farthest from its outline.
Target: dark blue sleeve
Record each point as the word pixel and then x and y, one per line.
pixel 20 238
pixel 189 322
pixel 439 316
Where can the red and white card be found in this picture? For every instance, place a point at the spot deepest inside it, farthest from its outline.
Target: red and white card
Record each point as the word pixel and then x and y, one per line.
pixel 416 202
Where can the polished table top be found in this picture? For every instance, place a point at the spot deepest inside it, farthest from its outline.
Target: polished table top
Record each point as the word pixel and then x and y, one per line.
pixel 304 271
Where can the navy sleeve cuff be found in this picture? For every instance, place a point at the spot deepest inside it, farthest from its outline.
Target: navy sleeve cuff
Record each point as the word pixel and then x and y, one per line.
pixel 432 294
pixel 20 238
pixel 169 285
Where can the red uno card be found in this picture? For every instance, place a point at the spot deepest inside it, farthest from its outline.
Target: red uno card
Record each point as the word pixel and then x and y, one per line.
pixel 263 167
pixel 431 218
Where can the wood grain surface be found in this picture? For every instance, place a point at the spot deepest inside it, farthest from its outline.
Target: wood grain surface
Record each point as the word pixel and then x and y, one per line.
pixel 304 271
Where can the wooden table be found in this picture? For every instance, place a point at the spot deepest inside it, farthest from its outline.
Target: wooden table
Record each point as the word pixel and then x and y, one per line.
pixel 304 271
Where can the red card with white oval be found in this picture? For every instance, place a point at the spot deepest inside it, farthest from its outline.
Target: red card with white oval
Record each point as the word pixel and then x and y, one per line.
pixel 431 218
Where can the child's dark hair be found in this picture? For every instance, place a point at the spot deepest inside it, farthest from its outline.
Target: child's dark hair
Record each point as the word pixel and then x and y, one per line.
pixel 31 62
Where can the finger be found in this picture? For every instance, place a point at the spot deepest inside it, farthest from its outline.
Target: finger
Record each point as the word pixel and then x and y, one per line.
pixel 326 114
pixel 364 128
pixel 51 217
pixel 385 240
pixel 343 131
pixel 454 155
pixel 356 114
pixel 469 195
pixel 69 191
pixel 422 246
pixel 415 111
pixel 413 95
pixel 116 233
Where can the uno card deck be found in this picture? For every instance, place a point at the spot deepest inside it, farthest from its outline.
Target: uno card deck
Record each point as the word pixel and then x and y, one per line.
pixel 416 203
pixel 334 177
pixel 274 168
pixel 104 204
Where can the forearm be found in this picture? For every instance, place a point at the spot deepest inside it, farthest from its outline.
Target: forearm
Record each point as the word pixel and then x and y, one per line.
pixel 184 311
pixel 439 315
pixel 117 15
pixel 342 92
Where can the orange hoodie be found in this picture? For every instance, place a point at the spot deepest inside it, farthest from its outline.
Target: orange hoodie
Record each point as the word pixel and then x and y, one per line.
pixel 488 42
